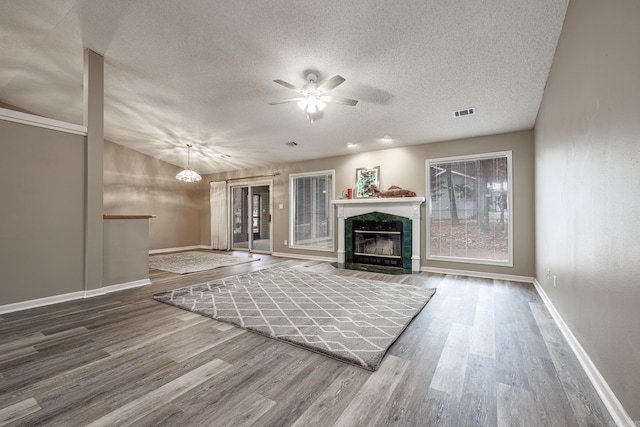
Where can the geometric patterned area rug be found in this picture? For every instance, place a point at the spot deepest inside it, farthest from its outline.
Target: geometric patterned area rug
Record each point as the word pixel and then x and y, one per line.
pixel 350 319
pixel 190 262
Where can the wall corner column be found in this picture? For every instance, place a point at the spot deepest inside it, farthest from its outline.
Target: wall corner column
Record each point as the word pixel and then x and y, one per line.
pixel 93 89
pixel 341 238
pixel 416 235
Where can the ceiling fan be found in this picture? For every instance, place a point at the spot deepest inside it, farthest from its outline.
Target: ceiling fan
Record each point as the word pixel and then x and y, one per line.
pixel 314 96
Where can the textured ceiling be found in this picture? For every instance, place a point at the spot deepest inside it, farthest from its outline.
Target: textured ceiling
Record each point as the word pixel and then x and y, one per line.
pixel 202 71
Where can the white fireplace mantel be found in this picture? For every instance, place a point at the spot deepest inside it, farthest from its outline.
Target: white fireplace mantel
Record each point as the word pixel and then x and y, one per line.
pixel 408 207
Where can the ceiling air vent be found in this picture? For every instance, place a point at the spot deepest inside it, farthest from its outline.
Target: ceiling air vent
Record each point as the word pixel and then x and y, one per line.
pixel 291 144
pixel 466 112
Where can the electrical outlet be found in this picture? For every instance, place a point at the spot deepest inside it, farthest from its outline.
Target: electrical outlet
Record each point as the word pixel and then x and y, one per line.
pixel 285 243
pixel 555 281
pixel 548 273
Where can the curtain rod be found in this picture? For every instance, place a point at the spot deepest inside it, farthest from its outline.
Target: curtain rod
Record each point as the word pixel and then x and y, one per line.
pixel 249 177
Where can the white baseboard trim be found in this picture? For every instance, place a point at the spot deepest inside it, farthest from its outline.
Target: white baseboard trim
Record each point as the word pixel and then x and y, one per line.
pixel 609 399
pixel 94 293
pixel 117 287
pixel 182 248
pixel 127 285
pixel 39 302
pixel 307 257
pixel 483 275
pixel 56 299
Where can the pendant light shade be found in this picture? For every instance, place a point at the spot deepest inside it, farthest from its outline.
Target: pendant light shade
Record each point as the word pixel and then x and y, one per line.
pixel 188 175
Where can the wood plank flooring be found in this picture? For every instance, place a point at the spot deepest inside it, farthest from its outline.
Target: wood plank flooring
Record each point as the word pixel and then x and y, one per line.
pixel 481 353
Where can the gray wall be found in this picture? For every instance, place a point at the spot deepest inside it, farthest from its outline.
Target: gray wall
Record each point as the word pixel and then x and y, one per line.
pixel 137 184
pixel 41 212
pixel 405 167
pixel 587 151
pixel 126 251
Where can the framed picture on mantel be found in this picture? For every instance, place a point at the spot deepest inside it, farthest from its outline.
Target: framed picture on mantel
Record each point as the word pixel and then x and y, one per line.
pixel 367 181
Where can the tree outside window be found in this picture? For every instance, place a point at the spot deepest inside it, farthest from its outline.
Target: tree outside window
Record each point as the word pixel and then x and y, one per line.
pixel 470 209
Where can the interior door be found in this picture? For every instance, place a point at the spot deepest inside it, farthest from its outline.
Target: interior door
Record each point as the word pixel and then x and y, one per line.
pixel 251 217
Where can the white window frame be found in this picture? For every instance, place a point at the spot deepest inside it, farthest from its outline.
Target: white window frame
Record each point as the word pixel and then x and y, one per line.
pixel 292 211
pixel 466 158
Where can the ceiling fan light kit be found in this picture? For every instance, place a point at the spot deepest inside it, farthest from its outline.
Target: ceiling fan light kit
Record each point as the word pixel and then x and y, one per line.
pixel 314 96
pixel 312 104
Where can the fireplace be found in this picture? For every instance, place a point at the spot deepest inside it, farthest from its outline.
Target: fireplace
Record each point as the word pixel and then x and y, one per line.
pixel 380 232
pixel 377 242
pixel 378 239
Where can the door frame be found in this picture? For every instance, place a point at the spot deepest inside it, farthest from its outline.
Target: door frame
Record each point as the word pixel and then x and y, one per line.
pixel 250 184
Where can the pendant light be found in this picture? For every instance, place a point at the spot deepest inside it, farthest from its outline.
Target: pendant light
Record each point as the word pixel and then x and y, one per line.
pixel 188 175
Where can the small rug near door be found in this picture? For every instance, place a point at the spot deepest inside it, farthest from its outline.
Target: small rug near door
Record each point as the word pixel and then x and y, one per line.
pixel 193 261
pixel 347 318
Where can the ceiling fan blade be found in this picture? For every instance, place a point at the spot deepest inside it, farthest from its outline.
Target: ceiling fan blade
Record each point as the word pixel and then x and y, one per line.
pixel 286 100
pixel 339 100
pixel 287 85
pixel 331 83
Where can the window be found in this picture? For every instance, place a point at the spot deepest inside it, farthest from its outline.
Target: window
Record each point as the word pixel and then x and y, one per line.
pixel 311 210
pixel 470 209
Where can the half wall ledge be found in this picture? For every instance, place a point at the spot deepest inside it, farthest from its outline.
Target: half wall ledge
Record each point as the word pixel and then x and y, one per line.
pixel 128 216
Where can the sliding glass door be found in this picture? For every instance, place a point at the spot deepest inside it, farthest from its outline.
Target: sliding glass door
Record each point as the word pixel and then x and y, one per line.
pixel 251 217
pixel 239 218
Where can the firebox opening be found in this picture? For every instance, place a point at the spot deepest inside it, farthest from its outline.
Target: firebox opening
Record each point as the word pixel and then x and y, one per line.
pixel 377 243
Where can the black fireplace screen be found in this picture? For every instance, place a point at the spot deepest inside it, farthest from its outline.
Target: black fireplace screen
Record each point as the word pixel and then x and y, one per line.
pixel 377 242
